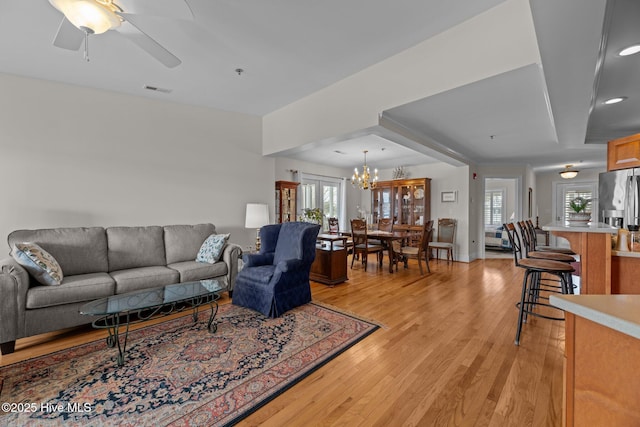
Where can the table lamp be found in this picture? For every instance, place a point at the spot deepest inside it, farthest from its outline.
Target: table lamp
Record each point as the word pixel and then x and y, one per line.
pixel 257 216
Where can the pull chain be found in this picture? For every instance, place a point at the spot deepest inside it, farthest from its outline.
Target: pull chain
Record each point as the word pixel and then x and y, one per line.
pixel 86 46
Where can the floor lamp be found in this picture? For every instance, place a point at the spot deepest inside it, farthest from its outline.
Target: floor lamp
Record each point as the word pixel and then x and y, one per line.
pixel 257 216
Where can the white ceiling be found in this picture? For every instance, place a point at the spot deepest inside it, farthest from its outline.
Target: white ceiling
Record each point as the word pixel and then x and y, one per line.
pixel 289 49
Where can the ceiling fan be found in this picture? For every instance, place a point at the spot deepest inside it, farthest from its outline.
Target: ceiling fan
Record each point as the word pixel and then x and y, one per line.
pixel 83 18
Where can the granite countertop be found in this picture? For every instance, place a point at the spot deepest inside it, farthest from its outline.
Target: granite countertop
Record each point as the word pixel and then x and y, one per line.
pixel 591 227
pixel 618 312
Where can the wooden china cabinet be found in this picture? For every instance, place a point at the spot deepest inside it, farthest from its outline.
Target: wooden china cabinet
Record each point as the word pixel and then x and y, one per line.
pixel 286 193
pixel 406 201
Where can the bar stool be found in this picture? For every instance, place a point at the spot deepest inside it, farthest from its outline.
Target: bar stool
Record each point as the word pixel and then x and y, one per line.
pixel 531 281
pixel 534 239
pixel 530 252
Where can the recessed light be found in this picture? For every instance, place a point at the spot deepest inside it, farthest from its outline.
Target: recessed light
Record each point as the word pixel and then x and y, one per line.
pixel 631 50
pixel 615 100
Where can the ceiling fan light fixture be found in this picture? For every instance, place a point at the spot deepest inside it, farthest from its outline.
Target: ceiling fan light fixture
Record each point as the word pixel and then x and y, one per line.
pixel 92 16
pixel 615 100
pixel 569 173
pixel 630 50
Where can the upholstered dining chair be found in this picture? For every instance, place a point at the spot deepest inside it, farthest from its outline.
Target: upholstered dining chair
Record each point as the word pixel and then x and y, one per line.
pixel 446 238
pixel 276 279
pixel 419 251
pixel 361 245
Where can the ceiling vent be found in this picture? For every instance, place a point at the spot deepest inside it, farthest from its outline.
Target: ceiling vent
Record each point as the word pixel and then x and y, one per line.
pixel 157 89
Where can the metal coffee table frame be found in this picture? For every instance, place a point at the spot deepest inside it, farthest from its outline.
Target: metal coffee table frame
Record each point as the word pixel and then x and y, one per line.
pixel 144 305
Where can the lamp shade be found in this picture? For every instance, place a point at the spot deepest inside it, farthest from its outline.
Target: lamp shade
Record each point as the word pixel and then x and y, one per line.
pixel 257 215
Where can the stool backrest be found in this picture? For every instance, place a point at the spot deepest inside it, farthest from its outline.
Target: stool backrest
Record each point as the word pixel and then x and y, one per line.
pixel 514 239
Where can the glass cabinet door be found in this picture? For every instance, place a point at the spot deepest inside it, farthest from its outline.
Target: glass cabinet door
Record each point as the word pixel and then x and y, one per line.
pixel 418 204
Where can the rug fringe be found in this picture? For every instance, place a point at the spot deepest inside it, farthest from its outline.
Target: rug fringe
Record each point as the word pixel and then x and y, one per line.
pixel 350 313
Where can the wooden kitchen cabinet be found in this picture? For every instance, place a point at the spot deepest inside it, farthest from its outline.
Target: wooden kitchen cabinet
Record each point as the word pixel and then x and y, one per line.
pixel 623 153
pixel 624 274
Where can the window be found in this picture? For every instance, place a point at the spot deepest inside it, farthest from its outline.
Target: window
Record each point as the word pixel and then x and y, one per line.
pixel 494 207
pixel 572 193
pixel 321 192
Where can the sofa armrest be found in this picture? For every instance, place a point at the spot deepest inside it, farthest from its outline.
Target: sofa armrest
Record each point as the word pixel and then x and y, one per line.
pixel 230 256
pixel 14 284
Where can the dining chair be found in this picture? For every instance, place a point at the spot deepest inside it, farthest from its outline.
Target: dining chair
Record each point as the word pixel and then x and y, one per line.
pixel 420 234
pixel 361 244
pixel 385 224
pixel 446 238
pixel 334 228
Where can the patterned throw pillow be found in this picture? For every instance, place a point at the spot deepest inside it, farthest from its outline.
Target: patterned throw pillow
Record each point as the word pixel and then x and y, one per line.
pixel 38 262
pixel 211 249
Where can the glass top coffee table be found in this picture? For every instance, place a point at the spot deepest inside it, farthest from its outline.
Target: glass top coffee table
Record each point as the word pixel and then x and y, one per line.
pixel 123 310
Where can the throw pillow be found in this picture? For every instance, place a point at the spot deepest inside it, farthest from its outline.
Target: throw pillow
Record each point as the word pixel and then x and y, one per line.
pixel 38 262
pixel 211 249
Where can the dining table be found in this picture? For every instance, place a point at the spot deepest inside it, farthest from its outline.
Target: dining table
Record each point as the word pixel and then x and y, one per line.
pixel 386 237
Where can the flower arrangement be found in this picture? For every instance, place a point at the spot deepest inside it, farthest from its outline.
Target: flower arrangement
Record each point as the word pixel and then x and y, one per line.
pixel 579 204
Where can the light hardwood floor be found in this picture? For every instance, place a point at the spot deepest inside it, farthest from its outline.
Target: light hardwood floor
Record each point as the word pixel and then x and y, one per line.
pixel 444 356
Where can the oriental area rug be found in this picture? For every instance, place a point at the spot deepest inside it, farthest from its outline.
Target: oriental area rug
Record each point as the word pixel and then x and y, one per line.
pixel 176 373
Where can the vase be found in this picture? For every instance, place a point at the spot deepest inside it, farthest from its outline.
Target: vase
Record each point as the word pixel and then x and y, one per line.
pixel 579 218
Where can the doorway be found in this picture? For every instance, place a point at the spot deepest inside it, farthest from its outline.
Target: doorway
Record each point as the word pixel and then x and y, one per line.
pixel 501 204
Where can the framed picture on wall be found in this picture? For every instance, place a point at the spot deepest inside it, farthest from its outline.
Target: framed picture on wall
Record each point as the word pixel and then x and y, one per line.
pixel 448 196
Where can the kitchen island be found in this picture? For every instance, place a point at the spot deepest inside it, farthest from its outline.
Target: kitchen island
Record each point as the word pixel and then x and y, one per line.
pixel 592 243
pixel 602 359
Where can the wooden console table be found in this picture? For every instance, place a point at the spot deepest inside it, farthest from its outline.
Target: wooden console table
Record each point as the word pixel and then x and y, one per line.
pixel 330 265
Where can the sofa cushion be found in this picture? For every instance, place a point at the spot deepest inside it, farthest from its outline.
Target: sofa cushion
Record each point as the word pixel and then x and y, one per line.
pixel 143 278
pixel 133 247
pixel 77 250
pixel 78 288
pixel 182 242
pixel 193 270
pixel 38 262
pixel 211 249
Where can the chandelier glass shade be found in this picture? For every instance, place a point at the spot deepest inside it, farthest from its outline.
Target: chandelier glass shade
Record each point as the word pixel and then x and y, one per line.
pixel 364 181
pixel 569 173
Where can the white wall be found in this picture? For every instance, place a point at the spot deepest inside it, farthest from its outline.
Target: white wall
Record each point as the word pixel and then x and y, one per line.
pixel 73 156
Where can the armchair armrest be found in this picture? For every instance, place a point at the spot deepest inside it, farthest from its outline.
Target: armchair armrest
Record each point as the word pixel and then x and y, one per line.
pixel 14 284
pixel 254 260
pixel 290 264
pixel 230 256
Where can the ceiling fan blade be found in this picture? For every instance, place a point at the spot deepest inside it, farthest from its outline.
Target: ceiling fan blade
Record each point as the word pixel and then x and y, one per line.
pixel 174 9
pixel 152 47
pixel 68 36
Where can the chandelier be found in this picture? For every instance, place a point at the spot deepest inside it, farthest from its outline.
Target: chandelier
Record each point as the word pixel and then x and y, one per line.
pixel 364 181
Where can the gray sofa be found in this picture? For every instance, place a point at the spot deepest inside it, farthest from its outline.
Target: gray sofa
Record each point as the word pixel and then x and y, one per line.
pixel 98 262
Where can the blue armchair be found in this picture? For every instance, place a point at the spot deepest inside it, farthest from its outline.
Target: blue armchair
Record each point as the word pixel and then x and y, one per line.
pixel 277 278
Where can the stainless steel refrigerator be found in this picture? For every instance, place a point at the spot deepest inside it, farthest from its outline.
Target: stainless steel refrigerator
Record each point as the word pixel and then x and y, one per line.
pixel 619 196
